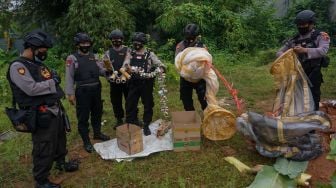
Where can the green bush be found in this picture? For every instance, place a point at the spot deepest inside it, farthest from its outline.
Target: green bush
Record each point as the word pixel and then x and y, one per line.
pixel 319 7
pixel 233 26
pixel 7 57
pixel 167 51
pixel 54 61
pixel 97 18
pixel 4 90
pixel 223 28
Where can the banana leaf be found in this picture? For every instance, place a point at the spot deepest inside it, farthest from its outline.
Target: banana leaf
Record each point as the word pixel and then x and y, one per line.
pixel 269 177
pixel 289 167
pixel 332 154
pixel 332 147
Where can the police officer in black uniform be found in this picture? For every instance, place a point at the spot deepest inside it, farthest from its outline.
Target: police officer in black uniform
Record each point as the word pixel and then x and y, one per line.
pixel 191 33
pixel 36 87
pixel 83 70
pixel 311 46
pixel 142 62
pixel 116 56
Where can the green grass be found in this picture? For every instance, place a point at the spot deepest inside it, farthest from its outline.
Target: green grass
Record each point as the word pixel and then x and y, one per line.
pixel 206 168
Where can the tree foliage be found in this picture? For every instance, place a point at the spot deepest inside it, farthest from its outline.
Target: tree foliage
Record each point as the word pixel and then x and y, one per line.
pixel 37 13
pixel 321 8
pixel 253 27
pixel 5 15
pixel 234 26
pixel 96 17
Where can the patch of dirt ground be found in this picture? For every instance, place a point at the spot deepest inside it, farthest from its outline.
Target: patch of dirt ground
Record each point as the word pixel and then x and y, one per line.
pixel 321 168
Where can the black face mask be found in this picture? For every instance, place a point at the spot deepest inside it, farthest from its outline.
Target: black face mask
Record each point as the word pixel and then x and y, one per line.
pixel 40 56
pixel 84 49
pixel 303 30
pixel 137 46
pixel 117 43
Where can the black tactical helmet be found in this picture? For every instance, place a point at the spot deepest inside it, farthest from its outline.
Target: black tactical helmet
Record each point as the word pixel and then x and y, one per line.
pixel 191 30
pixel 37 39
pixel 139 37
pixel 305 16
pixel 116 34
pixel 82 37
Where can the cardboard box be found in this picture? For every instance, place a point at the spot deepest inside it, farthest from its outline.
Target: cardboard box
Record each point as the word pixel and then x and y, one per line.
pixel 186 131
pixel 129 138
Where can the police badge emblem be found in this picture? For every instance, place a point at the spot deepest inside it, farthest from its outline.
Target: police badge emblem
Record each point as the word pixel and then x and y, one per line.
pixel 21 71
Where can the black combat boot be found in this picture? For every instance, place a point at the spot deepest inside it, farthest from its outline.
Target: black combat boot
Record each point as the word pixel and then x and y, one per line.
pixel 89 148
pixel 46 184
pixel 69 166
pixel 101 136
pixel 118 123
pixel 146 129
pixel 87 144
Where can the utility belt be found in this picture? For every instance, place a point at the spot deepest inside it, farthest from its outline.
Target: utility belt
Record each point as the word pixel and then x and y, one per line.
pixel 140 81
pixel 89 82
pixel 312 63
pixel 29 118
pixel 38 106
pixel 44 116
pixel 89 85
pixel 310 66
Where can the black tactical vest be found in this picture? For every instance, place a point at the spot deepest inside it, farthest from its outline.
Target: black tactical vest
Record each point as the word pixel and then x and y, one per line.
pixel 197 44
pixel 308 64
pixel 183 45
pixel 87 70
pixel 141 60
pixel 39 73
pixel 117 57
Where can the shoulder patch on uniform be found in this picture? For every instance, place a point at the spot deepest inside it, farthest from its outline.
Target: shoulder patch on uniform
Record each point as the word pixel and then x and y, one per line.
pixel 21 70
pixel 325 36
pixel 69 61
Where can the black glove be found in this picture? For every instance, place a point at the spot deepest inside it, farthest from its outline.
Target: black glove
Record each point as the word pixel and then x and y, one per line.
pixel 55 77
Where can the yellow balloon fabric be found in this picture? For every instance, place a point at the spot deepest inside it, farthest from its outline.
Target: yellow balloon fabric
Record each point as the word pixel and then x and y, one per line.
pixel 194 64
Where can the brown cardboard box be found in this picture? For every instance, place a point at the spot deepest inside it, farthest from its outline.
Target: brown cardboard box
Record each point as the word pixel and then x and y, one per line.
pixel 186 131
pixel 129 138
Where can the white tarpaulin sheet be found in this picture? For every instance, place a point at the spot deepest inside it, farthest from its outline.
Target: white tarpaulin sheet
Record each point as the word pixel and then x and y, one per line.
pixel 151 144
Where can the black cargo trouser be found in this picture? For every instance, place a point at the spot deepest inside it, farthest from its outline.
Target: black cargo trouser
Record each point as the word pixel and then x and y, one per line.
pixel 186 90
pixel 89 102
pixel 49 143
pixel 116 95
pixel 312 68
pixel 140 88
pixel 316 79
